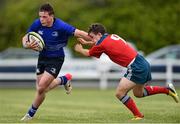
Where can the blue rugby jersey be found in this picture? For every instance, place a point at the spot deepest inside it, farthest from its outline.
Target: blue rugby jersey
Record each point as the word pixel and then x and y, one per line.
pixel 55 37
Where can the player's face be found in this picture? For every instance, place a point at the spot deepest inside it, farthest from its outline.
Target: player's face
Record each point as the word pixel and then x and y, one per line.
pixel 46 19
pixel 95 37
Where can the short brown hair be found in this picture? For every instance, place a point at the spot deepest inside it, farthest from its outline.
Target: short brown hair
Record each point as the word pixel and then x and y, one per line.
pixel 97 28
pixel 47 8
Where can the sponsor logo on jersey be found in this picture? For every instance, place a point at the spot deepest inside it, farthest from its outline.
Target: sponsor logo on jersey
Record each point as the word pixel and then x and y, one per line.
pixel 53 70
pixel 37 70
pixel 40 32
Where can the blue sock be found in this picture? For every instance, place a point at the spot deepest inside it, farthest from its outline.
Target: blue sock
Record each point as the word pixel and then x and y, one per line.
pixel 32 111
pixel 63 80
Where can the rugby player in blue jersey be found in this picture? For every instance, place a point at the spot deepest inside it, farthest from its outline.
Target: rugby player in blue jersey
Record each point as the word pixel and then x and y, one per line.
pixel 55 33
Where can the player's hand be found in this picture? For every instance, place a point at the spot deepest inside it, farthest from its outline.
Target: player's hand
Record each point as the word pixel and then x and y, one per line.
pixel 82 41
pixel 78 47
pixel 33 45
pixel 29 45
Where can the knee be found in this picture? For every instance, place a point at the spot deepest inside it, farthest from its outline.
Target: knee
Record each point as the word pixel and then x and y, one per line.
pixel 138 95
pixel 41 89
pixel 119 94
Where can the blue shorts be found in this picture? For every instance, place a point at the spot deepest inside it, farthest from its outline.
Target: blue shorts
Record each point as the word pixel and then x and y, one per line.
pixel 139 71
pixel 51 65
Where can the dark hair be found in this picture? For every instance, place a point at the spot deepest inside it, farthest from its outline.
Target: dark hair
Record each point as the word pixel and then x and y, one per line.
pixel 47 8
pixel 97 28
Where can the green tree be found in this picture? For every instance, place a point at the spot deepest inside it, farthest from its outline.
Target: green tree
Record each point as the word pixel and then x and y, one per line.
pixel 149 24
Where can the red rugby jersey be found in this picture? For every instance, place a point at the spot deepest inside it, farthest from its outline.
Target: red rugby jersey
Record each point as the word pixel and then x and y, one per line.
pixel 116 48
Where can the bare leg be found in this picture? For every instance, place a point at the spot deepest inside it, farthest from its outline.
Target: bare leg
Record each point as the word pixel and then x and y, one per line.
pixel 55 83
pixel 121 93
pixel 63 80
pixel 138 90
pixel 124 86
pixel 44 82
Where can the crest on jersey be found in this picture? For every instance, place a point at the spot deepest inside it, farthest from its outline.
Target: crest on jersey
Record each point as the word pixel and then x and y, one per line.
pixel 54 34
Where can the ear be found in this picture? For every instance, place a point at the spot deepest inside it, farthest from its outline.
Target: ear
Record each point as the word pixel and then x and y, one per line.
pixel 99 34
pixel 52 15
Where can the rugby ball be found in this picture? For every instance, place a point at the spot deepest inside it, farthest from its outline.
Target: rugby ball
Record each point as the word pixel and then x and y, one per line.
pixel 33 36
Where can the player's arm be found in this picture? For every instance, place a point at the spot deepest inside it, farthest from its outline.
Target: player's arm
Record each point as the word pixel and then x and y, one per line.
pixel 79 48
pixel 85 42
pixel 81 34
pixel 26 44
pixel 83 37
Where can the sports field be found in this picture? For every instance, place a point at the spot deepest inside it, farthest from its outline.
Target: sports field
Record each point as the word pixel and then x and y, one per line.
pixel 85 106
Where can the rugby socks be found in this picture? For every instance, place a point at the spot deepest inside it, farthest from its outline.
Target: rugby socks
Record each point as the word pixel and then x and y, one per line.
pixel 130 104
pixel 32 111
pixel 151 90
pixel 65 78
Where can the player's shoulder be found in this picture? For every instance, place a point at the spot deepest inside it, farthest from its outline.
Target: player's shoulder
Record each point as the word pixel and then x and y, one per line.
pixel 35 25
pixel 37 22
pixel 59 22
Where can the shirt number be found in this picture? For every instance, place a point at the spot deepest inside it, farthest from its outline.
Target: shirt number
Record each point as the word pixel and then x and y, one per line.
pixel 116 37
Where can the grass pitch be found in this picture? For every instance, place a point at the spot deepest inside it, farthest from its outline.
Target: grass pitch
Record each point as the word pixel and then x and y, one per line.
pixel 85 106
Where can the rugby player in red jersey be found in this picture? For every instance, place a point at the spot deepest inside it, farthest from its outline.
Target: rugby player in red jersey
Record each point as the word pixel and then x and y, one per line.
pixel 138 69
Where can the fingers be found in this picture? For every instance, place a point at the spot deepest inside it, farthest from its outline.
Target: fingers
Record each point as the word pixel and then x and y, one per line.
pixel 81 40
pixel 32 45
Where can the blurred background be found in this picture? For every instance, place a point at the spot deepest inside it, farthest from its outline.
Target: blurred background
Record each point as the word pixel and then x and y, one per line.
pixel 152 27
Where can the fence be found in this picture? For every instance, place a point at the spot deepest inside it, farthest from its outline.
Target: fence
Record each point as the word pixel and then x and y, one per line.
pixel 87 69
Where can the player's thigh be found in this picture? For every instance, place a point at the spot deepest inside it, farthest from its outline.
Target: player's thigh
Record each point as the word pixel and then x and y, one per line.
pixel 45 80
pixel 124 86
pixel 38 78
pixel 138 90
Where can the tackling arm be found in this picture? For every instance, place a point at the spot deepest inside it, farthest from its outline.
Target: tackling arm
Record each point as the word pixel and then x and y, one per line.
pixel 83 37
pixel 82 41
pixel 79 48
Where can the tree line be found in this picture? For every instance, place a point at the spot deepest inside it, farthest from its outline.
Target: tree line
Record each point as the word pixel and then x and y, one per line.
pixel 149 24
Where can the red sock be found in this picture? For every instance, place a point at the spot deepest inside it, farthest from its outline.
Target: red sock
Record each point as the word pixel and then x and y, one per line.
pixel 130 104
pixel 151 90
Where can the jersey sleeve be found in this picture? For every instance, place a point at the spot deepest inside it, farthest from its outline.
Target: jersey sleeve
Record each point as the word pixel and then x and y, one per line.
pixel 69 29
pixel 34 27
pixel 96 51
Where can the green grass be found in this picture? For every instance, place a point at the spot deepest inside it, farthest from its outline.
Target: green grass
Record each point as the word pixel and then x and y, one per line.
pixel 85 106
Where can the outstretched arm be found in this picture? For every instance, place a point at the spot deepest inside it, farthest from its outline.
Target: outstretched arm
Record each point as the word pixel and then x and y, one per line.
pixel 79 48
pixel 83 37
pixel 82 34
pixel 85 42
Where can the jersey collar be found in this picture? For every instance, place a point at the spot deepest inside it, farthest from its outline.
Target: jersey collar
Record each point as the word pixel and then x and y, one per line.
pixel 102 38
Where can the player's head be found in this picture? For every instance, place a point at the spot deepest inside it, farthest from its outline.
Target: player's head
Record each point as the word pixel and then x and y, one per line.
pixel 96 31
pixel 46 14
